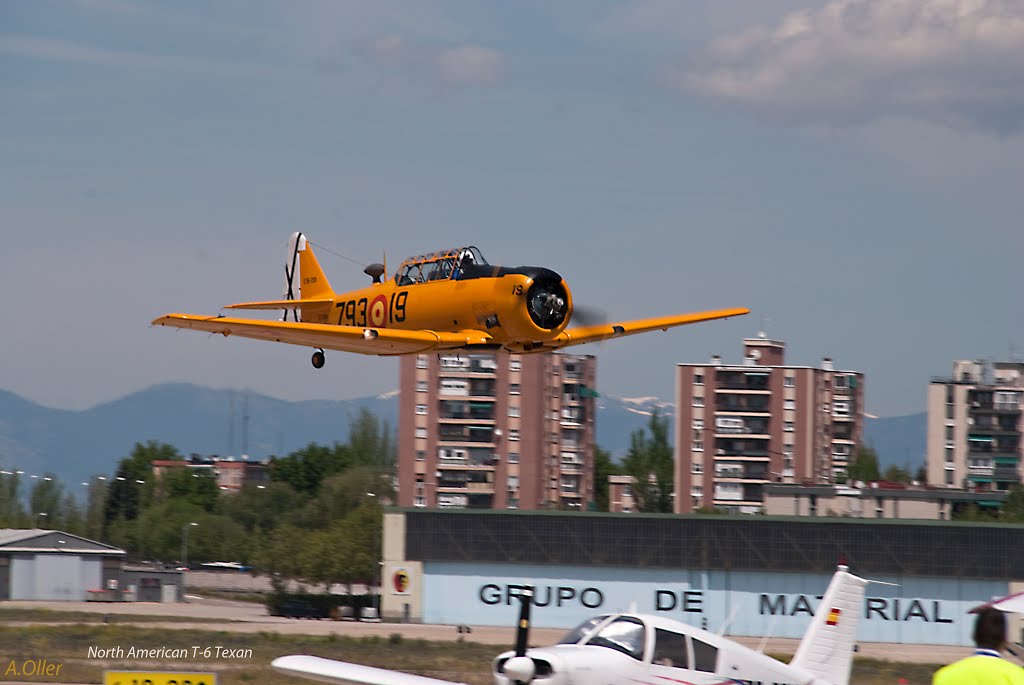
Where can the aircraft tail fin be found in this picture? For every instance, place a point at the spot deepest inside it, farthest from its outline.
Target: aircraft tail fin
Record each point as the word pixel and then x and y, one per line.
pixel 827 647
pixel 303 277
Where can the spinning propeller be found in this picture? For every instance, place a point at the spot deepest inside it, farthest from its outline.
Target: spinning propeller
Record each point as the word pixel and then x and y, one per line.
pixel 520 667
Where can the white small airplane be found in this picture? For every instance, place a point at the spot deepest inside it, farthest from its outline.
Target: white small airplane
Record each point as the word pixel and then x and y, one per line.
pixel 640 649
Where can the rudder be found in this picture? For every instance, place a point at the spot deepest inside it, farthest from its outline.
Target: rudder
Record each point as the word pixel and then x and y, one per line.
pixel 827 648
pixel 303 277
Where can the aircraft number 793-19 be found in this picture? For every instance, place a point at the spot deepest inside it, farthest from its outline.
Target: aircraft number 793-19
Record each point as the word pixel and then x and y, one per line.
pixel 448 300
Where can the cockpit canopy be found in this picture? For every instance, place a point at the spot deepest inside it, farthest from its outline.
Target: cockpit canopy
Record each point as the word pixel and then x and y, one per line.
pixel 439 266
pixel 631 635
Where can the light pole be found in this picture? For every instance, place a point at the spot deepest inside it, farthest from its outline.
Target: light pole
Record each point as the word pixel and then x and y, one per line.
pixel 39 515
pixel 184 543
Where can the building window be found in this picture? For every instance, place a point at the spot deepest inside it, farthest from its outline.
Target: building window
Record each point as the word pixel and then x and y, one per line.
pixel 421 409
pixel 513 388
pixel 513 434
pixel 513 411
pixel 421 432
pixel 698 379
pixel 698 467
pixel 949 433
pixel 698 445
pixel 840 381
pixel 421 455
pixel 789 404
pixel 698 401
pixel 514 363
pixel 421 361
pixel 788 427
pixel 949 477
pixel 790 381
pixel 698 424
pixel 421 501
pixel 513 457
pixel 421 386
pixel 949 455
pixel 840 409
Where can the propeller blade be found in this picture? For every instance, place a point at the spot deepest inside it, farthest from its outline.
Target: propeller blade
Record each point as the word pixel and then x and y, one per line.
pixel 523 629
pixel 583 315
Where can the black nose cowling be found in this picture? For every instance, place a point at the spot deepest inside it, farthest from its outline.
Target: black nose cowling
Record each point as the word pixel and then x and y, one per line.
pixel 547 302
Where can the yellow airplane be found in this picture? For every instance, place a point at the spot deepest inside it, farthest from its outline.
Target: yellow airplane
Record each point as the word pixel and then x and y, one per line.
pixel 449 300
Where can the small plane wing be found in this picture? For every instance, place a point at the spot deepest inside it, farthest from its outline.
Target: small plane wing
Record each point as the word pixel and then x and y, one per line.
pixel 330 671
pixel 586 334
pixel 380 341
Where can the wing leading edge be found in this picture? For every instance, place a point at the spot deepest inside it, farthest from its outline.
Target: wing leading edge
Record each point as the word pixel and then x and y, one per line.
pixel 330 671
pixel 586 334
pixel 380 341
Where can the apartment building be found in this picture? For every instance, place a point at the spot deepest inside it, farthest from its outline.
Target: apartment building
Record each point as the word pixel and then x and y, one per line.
pixel 740 426
pixel 496 431
pixel 974 426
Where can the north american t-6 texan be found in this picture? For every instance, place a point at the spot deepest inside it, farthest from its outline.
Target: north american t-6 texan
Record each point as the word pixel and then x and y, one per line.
pixel 448 300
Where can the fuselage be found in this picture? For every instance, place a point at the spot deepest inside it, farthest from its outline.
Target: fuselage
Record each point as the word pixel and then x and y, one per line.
pixel 651 650
pixel 518 307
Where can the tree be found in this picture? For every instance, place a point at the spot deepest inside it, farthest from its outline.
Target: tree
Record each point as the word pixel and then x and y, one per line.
pixel 306 469
pixel 650 463
pixel 132 487
pixel 896 474
pixel 370 442
pixel 1013 508
pixel 864 466
pixel 44 500
pixel 12 510
pixel 603 468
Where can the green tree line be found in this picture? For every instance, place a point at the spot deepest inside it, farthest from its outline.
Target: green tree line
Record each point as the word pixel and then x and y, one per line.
pixel 316 518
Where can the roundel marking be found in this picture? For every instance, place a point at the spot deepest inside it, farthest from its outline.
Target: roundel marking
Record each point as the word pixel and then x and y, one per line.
pixel 401 580
pixel 379 311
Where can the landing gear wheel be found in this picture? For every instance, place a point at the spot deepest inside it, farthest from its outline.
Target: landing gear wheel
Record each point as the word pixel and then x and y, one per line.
pixel 319 359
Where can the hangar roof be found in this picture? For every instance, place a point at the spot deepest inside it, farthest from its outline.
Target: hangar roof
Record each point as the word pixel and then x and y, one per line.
pixel 756 543
pixel 41 540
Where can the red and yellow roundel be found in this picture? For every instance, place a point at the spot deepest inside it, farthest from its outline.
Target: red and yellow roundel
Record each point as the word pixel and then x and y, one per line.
pixel 400 579
pixel 379 311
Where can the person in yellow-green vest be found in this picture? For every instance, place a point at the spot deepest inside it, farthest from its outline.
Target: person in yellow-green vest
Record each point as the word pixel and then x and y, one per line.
pixel 986 666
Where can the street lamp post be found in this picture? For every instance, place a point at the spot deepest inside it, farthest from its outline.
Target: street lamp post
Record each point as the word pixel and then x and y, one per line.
pixel 40 515
pixel 184 542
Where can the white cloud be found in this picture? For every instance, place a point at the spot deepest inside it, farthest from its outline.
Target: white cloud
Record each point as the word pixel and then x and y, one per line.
pixel 951 61
pixel 469 65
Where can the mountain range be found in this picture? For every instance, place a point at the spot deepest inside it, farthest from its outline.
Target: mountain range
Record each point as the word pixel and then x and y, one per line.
pixel 75 445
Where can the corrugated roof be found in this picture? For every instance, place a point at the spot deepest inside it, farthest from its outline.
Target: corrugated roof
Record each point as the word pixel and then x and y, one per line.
pixel 28 540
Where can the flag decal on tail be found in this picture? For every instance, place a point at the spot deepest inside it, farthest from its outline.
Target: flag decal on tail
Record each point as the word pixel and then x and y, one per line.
pixel 833 617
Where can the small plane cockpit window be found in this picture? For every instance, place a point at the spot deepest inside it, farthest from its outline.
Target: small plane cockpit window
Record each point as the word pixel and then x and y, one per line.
pixel 625 634
pixel 583 630
pixel 670 649
pixel 705 656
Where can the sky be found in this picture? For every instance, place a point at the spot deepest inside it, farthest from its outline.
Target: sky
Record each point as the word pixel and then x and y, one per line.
pixel 852 171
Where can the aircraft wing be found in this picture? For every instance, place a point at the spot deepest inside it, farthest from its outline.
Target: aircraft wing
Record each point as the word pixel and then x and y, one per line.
pixel 586 334
pixel 330 671
pixel 380 341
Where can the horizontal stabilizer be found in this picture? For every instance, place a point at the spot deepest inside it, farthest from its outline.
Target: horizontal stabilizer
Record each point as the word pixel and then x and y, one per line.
pixel 282 304
pixel 330 671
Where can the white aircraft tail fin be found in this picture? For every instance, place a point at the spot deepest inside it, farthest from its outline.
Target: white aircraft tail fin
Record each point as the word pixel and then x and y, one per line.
pixel 827 647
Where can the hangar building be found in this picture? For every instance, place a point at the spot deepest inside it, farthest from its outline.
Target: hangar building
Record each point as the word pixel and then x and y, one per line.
pixel 762 574
pixel 37 564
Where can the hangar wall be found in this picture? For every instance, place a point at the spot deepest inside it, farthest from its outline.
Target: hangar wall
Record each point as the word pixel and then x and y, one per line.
pixel 916 610
pixel 762 574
